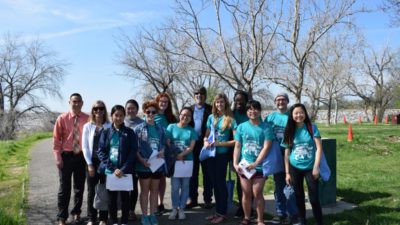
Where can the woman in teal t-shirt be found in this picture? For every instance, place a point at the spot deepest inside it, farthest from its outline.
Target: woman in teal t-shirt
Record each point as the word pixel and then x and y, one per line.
pixel 253 141
pixel 181 137
pixel 303 150
pixel 163 118
pixel 224 124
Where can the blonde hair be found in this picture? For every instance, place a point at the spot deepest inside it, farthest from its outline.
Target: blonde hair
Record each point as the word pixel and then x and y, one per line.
pixel 92 118
pixel 226 123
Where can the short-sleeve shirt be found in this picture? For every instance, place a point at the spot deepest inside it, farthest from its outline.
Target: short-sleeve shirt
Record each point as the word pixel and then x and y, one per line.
pixel 302 155
pixel 181 137
pixel 154 143
pixel 161 119
pixel 252 138
pixel 278 122
pixel 114 151
pixel 221 135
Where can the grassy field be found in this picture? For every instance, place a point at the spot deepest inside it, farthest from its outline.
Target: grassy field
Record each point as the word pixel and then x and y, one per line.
pixel 14 159
pixel 368 174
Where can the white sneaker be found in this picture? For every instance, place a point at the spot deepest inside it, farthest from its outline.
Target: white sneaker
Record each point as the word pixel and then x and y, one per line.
pixel 181 214
pixel 172 215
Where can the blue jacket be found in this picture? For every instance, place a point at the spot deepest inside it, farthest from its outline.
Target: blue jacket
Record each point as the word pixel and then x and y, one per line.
pixel 144 148
pixel 126 151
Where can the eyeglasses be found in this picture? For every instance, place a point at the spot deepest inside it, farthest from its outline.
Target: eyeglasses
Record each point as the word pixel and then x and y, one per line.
pixel 98 109
pixel 151 112
pixel 199 93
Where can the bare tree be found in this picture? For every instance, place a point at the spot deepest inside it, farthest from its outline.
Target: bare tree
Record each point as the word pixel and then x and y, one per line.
pixel 329 72
pixel 235 44
pixel 26 70
pixel 377 79
pixel 306 23
pixel 393 8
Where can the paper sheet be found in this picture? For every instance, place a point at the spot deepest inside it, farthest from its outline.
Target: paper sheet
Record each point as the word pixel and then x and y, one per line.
pixel 183 168
pixel 124 183
pixel 243 164
pixel 155 162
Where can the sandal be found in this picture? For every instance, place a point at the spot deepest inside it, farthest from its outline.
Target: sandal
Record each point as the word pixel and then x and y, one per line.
pixel 217 220
pixel 245 222
pixel 260 222
pixel 212 217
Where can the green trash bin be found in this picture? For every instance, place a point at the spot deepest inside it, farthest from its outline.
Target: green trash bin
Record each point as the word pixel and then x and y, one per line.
pixel 327 189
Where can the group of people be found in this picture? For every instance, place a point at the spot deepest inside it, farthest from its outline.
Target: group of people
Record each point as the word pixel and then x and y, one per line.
pixel 93 148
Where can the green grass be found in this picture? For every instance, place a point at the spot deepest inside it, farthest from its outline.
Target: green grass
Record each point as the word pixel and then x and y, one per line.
pixel 14 158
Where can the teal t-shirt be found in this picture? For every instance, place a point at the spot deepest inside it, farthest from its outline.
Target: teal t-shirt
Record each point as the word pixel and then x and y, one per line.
pixel 154 142
pixel 221 135
pixel 181 137
pixel 114 146
pixel 302 155
pixel 252 138
pixel 278 122
pixel 161 120
pixel 240 118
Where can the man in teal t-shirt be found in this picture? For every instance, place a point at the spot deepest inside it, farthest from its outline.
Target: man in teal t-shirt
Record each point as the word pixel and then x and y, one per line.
pixel 278 120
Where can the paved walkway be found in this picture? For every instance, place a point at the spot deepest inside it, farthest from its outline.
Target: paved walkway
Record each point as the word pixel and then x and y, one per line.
pixel 43 186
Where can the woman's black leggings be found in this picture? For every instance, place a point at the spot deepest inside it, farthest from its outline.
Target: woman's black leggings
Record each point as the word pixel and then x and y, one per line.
pixel 298 176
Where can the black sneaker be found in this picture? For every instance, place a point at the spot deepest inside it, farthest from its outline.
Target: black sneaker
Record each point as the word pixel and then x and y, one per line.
pixel 280 220
pixel 191 205
pixel 160 210
pixel 239 213
pixel 208 205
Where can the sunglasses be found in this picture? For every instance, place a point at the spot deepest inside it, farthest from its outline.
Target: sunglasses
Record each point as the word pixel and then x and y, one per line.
pixel 199 93
pixel 151 112
pixel 98 109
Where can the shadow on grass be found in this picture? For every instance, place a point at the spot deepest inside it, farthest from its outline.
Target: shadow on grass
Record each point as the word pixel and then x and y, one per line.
pixel 366 215
pixel 357 197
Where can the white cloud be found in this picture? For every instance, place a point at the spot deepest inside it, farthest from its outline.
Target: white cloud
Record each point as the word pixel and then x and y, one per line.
pixel 77 16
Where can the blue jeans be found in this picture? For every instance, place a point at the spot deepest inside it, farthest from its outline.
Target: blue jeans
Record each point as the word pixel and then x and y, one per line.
pixel 217 169
pixel 180 191
pixel 283 207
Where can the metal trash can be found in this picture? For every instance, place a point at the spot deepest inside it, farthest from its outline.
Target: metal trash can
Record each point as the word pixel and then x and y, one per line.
pixel 327 189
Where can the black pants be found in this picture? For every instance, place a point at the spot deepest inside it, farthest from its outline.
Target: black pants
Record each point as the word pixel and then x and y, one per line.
pixel 298 177
pixel 194 180
pixel 91 187
pixel 113 208
pixel 133 195
pixel 74 167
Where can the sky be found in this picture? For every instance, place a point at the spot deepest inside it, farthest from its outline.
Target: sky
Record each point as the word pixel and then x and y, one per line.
pixel 84 34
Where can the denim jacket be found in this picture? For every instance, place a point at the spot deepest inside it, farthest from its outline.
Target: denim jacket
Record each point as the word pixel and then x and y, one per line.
pixel 126 151
pixel 144 148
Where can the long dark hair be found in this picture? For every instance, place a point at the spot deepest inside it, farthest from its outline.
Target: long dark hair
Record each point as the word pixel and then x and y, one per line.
pixel 291 124
pixel 191 123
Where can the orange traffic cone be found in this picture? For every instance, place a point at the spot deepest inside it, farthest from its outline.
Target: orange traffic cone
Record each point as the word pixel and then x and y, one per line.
pixel 359 120
pixel 376 120
pixel 386 120
pixel 350 133
pixel 344 120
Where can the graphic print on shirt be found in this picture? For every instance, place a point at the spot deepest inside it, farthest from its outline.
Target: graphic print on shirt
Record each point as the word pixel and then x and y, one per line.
pixel 180 145
pixel 251 146
pixel 154 142
pixel 303 151
pixel 279 132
